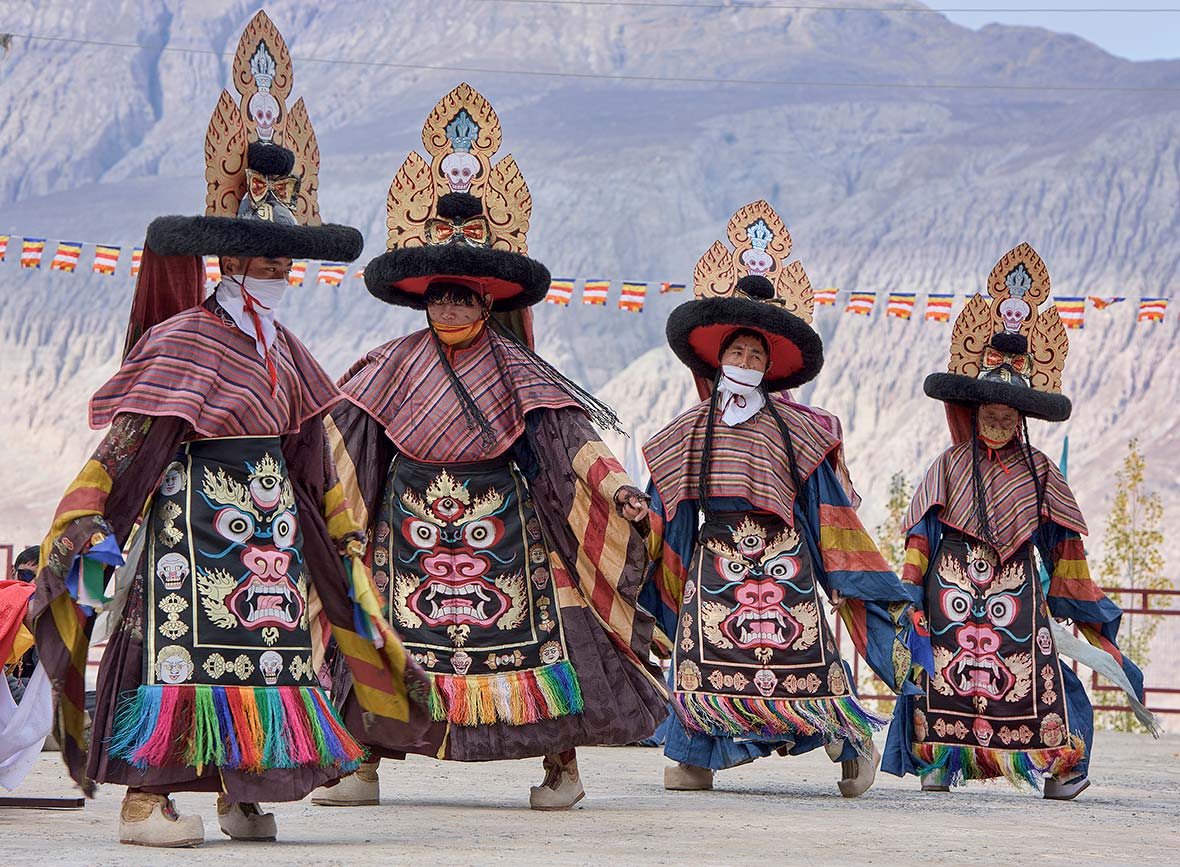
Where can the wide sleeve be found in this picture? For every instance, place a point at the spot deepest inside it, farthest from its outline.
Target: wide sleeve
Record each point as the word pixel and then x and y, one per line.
pixel 385 678
pixel 670 545
pixel 105 499
pixel 599 554
pixel 921 541
pixel 343 528
pixel 1073 595
pixel 360 456
pixel 877 607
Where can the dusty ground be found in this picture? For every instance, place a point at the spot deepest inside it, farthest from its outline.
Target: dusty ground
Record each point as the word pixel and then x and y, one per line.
pixel 773 812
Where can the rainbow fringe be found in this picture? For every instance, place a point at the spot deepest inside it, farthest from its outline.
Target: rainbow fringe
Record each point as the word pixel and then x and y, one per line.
pixel 240 727
pixel 729 716
pixel 515 697
pixel 1019 767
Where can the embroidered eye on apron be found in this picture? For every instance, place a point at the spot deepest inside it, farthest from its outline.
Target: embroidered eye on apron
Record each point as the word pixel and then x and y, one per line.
pixel 996 685
pixel 227 677
pixel 458 550
pixel 755 655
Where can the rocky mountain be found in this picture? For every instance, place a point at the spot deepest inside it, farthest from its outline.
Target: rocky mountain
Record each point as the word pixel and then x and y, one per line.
pixel 640 130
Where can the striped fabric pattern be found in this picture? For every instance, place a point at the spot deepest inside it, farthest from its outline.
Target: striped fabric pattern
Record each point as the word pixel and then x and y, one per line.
pixel 197 367
pixel 1010 491
pixel 1071 573
pixel 404 385
pixel 844 543
pixel 749 460
pixel 917 560
pixel 603 535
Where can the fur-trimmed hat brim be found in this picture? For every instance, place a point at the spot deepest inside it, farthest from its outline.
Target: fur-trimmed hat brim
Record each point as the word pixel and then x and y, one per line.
pixel 234 236
pixel 402 276
pixel 968 391
pixel 697 329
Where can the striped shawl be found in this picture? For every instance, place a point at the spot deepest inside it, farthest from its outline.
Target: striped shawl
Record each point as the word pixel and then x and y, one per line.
pixel 197 368
pixel 404 385
pixel 749 460
pixel 1010 491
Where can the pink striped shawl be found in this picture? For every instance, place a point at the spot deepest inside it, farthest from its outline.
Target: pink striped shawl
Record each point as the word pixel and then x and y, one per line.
pixel 198 368
pixel 749 460
pixel 1011 496
pixel 403 385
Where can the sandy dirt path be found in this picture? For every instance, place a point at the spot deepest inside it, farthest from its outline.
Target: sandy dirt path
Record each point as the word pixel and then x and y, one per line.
pixel 773 812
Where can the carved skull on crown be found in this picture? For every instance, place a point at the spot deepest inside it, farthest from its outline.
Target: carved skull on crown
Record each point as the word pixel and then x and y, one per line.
pixel 263 108
pixel 460 169
pixel 757 261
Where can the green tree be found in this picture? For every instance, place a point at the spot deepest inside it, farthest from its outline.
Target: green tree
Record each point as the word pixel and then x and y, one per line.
pixel 891 531
pixel 891 543
pixel 1133 559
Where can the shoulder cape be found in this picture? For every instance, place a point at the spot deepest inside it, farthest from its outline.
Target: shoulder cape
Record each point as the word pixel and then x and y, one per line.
pixel 404 385
pixel 196 368
pixel 749 460
pixel 1011 496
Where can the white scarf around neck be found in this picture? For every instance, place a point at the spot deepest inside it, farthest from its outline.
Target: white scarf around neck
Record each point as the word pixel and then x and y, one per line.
pixel 739 394
pixel 265 299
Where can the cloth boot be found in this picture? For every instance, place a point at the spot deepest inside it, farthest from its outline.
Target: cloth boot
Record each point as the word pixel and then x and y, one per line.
pixel 152 820
pixel 562 787
pixel 857 775
pixel 241 821
pixel 1065 790
pixel 688 778
pixel 362 788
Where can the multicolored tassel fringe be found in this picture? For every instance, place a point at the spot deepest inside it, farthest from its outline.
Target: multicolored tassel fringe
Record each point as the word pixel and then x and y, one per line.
pixel 240 727
pixel 514 697
pixel 730 716
pixel 1019 767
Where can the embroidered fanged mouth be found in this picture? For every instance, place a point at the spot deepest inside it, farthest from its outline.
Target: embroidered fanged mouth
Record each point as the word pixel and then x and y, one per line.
pixel 440 602
pixel 979 675
pixel 259 603
pixel 770 628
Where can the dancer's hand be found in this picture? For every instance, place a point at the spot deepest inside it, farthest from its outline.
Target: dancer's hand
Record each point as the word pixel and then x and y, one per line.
pixel 632 504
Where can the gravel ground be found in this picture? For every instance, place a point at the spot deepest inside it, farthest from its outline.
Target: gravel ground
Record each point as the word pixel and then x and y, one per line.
pixel 772 812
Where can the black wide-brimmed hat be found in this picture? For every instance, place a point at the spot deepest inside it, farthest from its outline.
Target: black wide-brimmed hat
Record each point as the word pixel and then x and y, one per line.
pixel 697 331
pixel 458 251
pixel 750 288
pixel 1004 349
pixel 261 169
pixel 459 218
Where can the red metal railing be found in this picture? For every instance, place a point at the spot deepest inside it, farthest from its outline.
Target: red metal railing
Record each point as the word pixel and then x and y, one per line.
pixel 1144 607
pixel 1141 604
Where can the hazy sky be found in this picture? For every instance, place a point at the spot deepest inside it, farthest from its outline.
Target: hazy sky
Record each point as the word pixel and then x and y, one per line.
pixel 1136 35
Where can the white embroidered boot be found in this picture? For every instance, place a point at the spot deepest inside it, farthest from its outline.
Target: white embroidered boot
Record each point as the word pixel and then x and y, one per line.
pixel 688 778
pixel 152 820
pixel 243 821
pixel 857 776
pixel 1065 790
pixel 361 788
pixel 562 787
pixel 935 781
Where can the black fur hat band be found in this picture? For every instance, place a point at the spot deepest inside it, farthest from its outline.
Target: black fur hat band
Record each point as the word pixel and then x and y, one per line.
pixel 402 276
pixel 233 236
pixel 967 391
